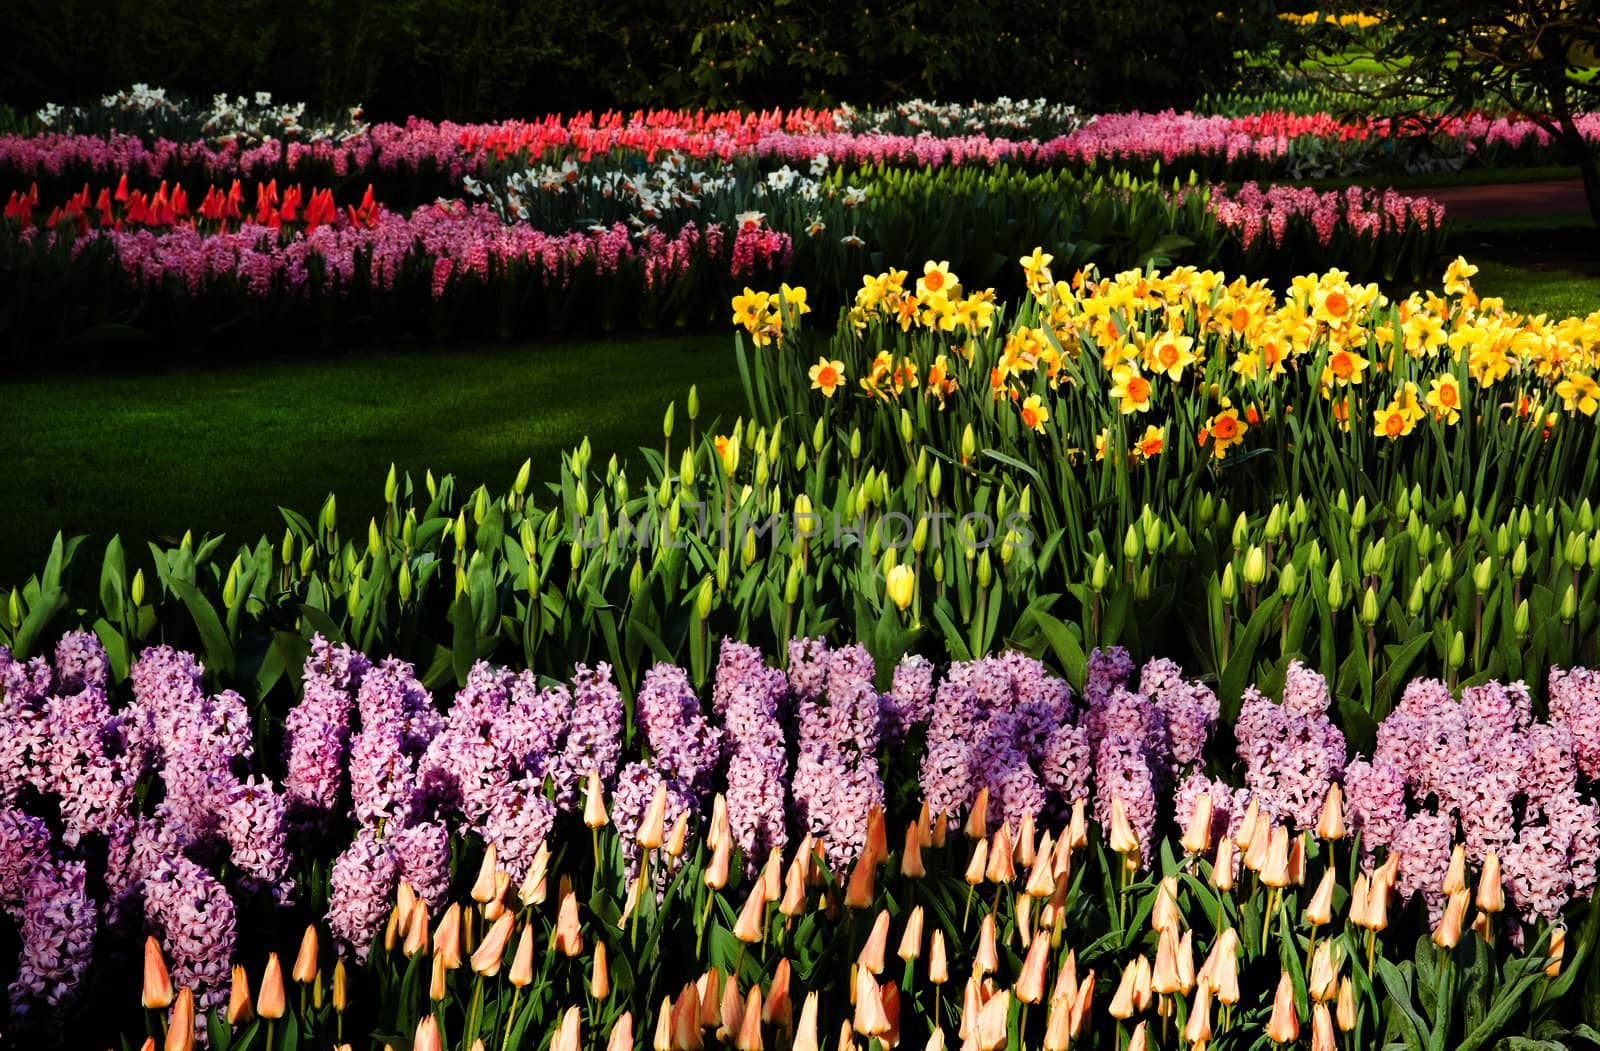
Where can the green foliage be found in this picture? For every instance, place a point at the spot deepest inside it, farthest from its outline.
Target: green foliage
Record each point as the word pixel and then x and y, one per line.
pixel 475 59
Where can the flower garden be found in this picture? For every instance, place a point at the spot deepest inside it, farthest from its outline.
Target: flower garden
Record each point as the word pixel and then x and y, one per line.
pixel 1137 598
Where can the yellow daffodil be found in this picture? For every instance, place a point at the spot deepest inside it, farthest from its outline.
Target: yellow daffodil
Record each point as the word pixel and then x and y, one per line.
pixel 1444 398
pixel 1130 390
pixel 1224 431
pixel 826 376
pixel 1168 354
pixel 937 279
pixel 1034 414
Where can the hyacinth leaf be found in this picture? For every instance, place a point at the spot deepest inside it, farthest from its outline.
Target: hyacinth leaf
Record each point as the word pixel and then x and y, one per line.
pixel 1066 646
pixel 1386 689
pixel 1397 983
pixel 1429 974
pixel 116 648
pixel 113 579
pixel 1241 663
pixel 213 637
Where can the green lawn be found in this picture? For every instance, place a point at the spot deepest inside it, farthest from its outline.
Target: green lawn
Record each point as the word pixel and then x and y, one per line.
pixel 218 449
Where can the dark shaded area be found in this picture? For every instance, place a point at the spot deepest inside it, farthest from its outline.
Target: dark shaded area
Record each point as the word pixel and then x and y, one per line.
pixel 483 59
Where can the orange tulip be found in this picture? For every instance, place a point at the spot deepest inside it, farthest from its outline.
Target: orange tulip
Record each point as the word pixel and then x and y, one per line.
pixel 1198 1030
pixel 779 1009
pixel 661 1039
pixel 876 945
pixel 938 971
pixel 1284 1025
pixel 977 826
pixel 1164 975
pixel 521 975
pixel 1058 1024
pixel 157 981
pixel 270 1004
pixel 621 1034
pixel 180 1026
pixel 793 902
pixel 594 803
pixel 652 827
pixel 870 1020
pixel 239 1010
pixel 492 950
pixel 568 938
pixel 1197 836
pixel 427 1037
pixel 1491 892
pixel 805 1034
pixel 1078 829
pixel 877 844
pixel 447 938
pixel 1322 1038
pixel 911 940
pixel 990 1030
pixel 1123 839
pixel 751 924
pixel 568 1038
pixel 1122 1001
pixel 987 960
pixel 1001 867
pixel 1025 840
pixel 749 1036
pixel 1222 866
pixel 911 866
pixel 1136 1042
pixel 858 893
pixel 1319 910
pixel 483 888
pixel 730 1010
pixel 1330 823
pixel 305 965
pixel 1030 979
pixel 1447 935
pixel 1455 877
pixel 1345 1013
pixel 1558 945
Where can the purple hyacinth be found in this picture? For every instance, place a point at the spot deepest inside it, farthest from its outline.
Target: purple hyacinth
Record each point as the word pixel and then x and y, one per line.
pixel 683 745
pixel 1122 771
pixel 594 733
pixel 909 699
pixel 636 788
pixel 422 852
pixel 362 886
pixel 193 917
pixel 1291 758
pixel 57 920
pixel 255 824
pixel 317 730
pixel 80 663
pixel 519 821
pixel 1575 704
pixel 1374 802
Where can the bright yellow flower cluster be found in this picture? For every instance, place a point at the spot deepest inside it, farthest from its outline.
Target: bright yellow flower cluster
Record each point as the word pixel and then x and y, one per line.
pixel 1360 20
pixel 1191 357
pixel 934 302
pixel 761 314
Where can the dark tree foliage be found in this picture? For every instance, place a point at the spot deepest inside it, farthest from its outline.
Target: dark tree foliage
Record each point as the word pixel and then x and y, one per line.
pixel 1538 58
pixel 482 59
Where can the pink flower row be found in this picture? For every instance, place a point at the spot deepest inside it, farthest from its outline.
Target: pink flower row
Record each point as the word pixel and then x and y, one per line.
pixel 1253 210
pixel 457 241
pixel 464 149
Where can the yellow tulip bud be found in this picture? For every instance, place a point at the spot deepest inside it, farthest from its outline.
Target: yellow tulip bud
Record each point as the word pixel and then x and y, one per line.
pixel 1227 589
pixel 1255 566
pixel 901 586
pixel 1369 607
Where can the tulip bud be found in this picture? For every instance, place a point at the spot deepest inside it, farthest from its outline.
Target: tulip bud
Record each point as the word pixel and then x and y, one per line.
pixel 1447 935
pixel 901 587
pixel 1330 821
pixel 270 1004
pixel 1558 944
pixel 1197 836
pixel 1491 892
pixel 1483 576
pixel 240 1011
pixel 1227 588
pixel 1569 605
pixel 305 965
pixel 1284 1025
pixel 180 1025
pixel 1255 566
pixel 1369 607
pixel 1458 652
pixel 157 980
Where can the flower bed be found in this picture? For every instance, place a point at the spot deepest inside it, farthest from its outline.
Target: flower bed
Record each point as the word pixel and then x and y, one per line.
pixel 1076 837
